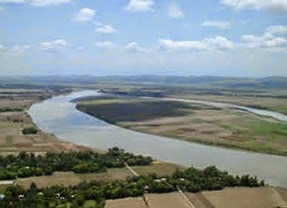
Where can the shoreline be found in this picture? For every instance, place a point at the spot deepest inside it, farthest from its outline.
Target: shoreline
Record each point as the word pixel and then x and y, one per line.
pixel 195 141
pixel 259 150
pixel 103 143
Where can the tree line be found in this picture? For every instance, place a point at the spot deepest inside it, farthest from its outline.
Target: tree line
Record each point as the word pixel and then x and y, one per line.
pixel 26 165
pixel 95 192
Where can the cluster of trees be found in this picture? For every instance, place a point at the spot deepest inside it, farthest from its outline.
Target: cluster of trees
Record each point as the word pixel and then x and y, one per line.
pixel 194 180
pixel 96 193
pixel 8 109
pixel 26 165
pixel 29 130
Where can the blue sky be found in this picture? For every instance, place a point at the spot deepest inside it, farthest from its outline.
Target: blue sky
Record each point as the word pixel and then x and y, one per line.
pixel 127 37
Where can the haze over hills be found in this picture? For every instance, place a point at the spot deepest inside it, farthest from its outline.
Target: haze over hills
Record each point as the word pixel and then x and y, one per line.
pixel 192 81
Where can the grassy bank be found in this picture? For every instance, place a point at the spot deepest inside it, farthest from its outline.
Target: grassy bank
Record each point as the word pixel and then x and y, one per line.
pixel 192 122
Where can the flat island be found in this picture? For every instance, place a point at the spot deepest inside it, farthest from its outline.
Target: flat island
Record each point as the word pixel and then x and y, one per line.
pixel 190 122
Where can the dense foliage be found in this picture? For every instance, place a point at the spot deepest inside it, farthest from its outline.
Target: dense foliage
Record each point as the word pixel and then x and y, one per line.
pixel 6 109
pixel 194 180
pixel 95 193
pixel 127 110
pixel 30 130
pixel 25 165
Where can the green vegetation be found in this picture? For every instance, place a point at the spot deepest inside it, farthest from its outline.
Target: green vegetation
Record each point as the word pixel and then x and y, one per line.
pixel 11 110
pixel 95 193
pixel 26 165
pixel 30 130
pixel 129 109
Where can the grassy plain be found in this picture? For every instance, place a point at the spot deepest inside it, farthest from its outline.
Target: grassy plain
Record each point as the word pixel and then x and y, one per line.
pixel 192 122
pixel 71 178
pixel 266 98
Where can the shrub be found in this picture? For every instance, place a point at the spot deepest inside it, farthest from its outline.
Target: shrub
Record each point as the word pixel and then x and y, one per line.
pixel 30 130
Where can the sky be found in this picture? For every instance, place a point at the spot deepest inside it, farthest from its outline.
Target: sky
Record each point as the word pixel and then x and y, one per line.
pixel 246 38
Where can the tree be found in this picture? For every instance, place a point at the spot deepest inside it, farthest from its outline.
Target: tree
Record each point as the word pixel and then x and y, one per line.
pixel 30 130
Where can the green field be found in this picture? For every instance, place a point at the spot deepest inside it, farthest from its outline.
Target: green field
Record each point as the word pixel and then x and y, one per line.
pixel 132 110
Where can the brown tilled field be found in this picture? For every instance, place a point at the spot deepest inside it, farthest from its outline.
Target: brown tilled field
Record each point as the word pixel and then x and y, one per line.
pixel 126 203
pixel 266 197
pixel 160 168
pixel 171 200
pixel 13 118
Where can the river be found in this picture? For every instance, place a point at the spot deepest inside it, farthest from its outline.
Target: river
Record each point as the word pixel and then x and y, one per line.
pixel 59 116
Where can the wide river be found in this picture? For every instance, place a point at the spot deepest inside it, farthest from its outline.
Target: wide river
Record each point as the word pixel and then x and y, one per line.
pixel 60 117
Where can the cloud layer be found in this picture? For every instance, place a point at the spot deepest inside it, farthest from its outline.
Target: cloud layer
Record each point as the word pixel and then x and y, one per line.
pixel 219 42
pixel 270 39
pixel 53 45
pixel 274 6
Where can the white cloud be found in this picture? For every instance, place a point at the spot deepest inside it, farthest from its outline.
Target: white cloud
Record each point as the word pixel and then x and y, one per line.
pixel 140 5
pixel 171 44
pixel 53 45
pixel 105 29
pixel 218 42
pixel 134 47
pixel 277 29
pixel 174 11
pixel 105 44
pixel 217 24
pixel 267 40
pixel 40 3
pixel 85 15
pixel 276 6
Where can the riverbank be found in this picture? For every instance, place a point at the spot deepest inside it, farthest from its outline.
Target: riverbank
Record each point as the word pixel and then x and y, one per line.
pixel 273 100
pixel 191 122
pixel 59 116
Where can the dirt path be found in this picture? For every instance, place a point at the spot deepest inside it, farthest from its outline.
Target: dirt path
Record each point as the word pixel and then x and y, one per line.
pixel 7 182
pixel 184 197
pixel 132 170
